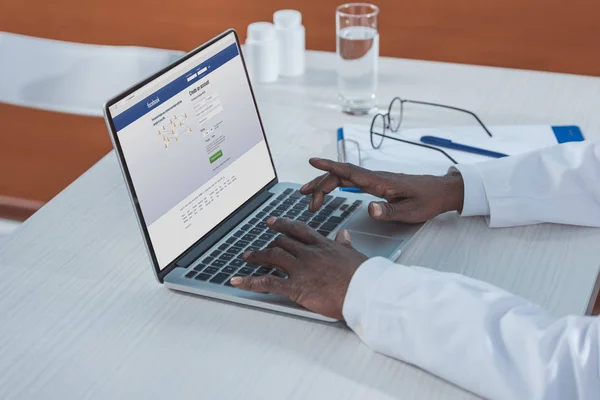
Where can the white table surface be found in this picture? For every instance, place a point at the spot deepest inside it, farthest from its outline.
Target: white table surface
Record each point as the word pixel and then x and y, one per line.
pixel 81 315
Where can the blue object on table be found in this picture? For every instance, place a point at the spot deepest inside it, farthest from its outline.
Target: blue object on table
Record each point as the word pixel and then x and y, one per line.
pixel 569 133
pixel 350 189
pixel 449 144
pixel 342 158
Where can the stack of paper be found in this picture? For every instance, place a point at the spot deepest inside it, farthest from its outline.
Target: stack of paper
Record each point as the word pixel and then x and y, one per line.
pixel 400 157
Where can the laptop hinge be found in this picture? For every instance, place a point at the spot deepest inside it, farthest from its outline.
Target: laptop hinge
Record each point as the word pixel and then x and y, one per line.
pixel 223 230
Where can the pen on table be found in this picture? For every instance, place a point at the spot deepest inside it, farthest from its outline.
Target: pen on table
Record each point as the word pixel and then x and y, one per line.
pixel 341 148
pixel 449 144
pixel 350 190
pixel 342 158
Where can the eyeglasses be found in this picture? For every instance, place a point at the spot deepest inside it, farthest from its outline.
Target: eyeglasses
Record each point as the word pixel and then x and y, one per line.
pixel 392 120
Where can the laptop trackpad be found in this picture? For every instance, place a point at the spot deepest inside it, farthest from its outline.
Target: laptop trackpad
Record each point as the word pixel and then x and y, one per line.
pixel 377 238
pixel 373 245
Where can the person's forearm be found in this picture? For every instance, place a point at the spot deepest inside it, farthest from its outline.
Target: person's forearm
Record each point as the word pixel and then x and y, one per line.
pixel 557 184
pixel 473 334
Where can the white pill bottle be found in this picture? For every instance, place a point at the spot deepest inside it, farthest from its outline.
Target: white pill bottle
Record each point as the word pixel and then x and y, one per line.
pixel 262 52
pixel 291 40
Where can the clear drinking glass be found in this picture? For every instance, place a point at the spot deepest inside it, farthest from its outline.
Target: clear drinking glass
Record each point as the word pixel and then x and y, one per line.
pixel 357 56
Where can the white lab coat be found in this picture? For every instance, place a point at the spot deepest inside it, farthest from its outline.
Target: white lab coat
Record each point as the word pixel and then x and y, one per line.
pixel 473 334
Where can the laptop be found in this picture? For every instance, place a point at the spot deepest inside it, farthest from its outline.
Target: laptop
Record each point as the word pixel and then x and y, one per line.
pixel 198 168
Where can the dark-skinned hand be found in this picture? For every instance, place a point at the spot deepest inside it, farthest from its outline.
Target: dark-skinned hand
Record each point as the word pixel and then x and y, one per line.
pixel 319 269
pixel 408 198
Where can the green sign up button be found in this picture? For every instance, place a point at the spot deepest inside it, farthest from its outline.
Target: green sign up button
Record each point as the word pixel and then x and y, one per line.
pixel 215 156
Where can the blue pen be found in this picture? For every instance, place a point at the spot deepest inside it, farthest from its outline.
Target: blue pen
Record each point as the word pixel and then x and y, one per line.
pixel 449 144
pixel 342 158
pixel 350 190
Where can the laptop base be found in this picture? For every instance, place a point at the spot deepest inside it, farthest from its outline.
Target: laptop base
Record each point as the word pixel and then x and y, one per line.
pixel 372 238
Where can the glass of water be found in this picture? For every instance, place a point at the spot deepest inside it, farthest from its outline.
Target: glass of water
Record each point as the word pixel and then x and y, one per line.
pixel 357 56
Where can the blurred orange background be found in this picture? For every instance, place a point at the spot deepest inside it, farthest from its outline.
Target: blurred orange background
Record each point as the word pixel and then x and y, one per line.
pixel 549 35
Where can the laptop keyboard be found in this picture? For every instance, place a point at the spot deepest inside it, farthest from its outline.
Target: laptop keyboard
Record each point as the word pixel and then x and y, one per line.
pixel 225 261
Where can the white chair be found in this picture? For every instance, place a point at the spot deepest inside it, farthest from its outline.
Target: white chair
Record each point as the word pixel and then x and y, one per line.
pixel 71 77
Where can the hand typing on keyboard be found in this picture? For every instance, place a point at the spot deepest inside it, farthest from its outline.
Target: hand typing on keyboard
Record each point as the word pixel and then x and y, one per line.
pixel 319 270
pixel 409 198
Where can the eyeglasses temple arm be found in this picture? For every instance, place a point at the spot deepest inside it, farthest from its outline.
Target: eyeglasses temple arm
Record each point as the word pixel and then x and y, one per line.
pixel 417 144
pixel 451 108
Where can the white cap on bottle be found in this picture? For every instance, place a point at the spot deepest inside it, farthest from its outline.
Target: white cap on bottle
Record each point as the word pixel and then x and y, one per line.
pixel 261 31
pixel 287 18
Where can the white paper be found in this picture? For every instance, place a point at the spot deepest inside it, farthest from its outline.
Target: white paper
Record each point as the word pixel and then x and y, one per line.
pixel 400 157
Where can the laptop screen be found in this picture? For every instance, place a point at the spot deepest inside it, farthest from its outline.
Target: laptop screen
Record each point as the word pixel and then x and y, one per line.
pixel 194 147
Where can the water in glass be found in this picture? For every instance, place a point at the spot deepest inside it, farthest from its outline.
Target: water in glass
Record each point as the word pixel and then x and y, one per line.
pixel 357 55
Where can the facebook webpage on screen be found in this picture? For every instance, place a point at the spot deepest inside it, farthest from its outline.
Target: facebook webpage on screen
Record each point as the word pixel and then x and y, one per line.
pixel 194 148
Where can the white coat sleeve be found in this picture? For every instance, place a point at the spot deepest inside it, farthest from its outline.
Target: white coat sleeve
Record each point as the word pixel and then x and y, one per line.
pixel 559 184
pixel 475 335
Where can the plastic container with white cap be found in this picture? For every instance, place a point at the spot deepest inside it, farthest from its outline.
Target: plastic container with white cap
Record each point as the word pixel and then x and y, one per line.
pixel 262 52
pixel 291 37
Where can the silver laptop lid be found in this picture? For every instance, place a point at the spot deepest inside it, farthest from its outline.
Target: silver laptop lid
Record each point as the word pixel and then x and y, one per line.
pixel 192 147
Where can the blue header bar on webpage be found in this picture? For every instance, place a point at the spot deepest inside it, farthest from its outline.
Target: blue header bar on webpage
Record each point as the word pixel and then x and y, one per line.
pixel 178 85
